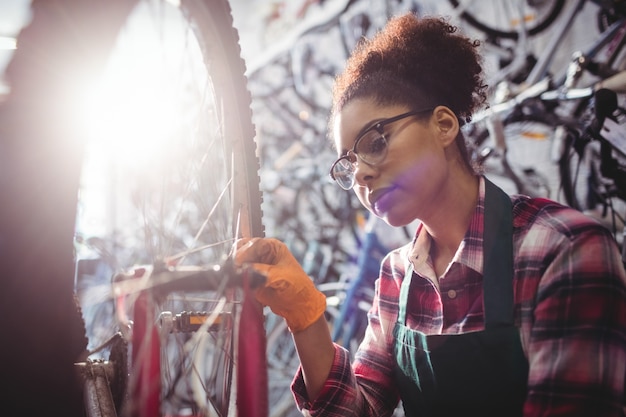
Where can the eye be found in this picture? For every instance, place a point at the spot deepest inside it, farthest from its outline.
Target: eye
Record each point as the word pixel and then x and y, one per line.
pixel 372 144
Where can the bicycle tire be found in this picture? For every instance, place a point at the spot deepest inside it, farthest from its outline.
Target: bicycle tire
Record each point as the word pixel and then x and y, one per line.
pixel 228 167
pixel 237 197
pixel 231 87
pixel 538 26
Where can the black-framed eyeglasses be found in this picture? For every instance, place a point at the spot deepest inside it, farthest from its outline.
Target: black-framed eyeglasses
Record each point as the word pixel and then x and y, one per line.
pixel 371 148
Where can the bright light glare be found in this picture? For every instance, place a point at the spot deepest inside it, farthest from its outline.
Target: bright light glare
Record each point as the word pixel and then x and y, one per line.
pixel 133 120
pixel 7 43
pixel 138 110
pixel 133 110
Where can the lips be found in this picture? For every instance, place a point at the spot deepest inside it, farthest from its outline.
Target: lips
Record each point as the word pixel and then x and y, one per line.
pixel 379 199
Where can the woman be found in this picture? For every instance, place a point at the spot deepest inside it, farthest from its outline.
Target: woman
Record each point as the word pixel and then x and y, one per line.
pixel 500 306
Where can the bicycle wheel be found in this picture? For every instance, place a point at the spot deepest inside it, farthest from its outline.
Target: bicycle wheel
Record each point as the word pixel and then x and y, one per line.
pixel 502 19
pixel 183 196
pixel 155 93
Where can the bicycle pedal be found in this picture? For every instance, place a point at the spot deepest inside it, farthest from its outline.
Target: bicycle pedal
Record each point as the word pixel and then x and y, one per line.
pixel 192 321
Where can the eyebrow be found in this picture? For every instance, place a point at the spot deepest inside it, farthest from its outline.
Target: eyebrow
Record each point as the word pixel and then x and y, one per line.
pixel 364 129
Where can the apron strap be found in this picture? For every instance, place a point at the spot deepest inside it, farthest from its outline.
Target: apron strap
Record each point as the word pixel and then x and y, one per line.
pixel 497 258
pixel 404 294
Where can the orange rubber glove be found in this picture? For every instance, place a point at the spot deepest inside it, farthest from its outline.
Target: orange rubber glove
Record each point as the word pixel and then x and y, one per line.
pixel 288 291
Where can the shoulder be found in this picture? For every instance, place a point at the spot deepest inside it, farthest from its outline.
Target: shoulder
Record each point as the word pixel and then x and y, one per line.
pixel 539 214
pixel 395 263
pixel 554 241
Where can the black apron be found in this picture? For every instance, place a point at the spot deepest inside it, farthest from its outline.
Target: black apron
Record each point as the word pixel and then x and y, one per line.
pixel 482 373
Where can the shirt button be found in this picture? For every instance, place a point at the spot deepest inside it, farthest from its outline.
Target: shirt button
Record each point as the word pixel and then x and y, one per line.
pixel 451 294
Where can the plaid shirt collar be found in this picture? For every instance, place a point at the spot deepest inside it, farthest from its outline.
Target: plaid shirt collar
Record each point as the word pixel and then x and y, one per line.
pixel 469 252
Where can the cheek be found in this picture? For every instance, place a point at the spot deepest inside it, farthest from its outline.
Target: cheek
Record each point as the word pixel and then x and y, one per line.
pixel 417 164
pixel 422 167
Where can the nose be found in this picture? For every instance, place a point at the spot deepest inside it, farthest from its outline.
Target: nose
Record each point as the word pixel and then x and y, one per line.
pixel 364 172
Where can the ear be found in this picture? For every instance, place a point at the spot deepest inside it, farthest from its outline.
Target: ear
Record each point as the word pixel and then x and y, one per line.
pixel 446 123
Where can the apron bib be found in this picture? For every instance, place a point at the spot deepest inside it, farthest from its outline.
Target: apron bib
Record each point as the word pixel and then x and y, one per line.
pixel 480 373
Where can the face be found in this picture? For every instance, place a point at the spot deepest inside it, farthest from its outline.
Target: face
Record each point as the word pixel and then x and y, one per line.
pixel 403 186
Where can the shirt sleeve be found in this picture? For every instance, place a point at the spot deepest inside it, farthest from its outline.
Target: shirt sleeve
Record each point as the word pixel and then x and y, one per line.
pixel 364 388
pixel 577 337
pixel 338 395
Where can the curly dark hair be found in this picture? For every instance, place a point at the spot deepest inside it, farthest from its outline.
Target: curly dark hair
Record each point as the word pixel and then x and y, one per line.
pixel 415 61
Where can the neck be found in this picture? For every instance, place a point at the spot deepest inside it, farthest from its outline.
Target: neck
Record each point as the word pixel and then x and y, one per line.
pixel 448 226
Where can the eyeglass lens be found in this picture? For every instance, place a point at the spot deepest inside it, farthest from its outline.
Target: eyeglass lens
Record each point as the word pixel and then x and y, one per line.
pixel 343 173
pixel 370 148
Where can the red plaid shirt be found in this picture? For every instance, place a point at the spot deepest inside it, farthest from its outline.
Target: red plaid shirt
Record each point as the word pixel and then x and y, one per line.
pixel 570 307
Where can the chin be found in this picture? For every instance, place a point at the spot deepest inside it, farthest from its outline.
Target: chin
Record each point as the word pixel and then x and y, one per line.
pixel 393 221
pixel 397 221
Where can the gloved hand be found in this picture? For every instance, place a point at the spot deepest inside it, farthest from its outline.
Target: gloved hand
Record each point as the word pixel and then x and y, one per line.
pixel 288 291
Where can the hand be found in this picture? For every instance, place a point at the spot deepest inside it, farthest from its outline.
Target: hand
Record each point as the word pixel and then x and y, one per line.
pixel 288 291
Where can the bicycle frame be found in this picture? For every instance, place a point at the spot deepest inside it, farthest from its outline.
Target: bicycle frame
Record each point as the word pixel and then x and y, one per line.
pixel 563 26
